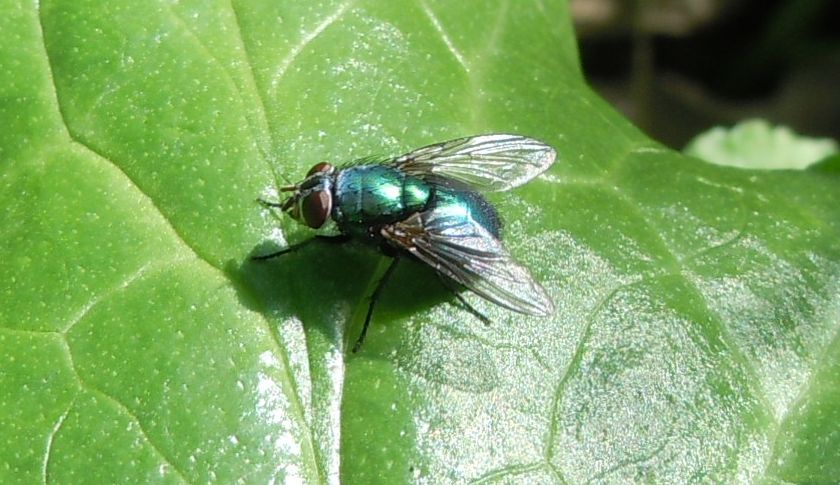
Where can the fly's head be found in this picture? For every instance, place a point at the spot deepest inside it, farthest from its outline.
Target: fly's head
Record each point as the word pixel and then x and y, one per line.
pixel 311 200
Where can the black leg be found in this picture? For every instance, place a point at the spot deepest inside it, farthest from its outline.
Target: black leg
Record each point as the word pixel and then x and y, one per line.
pixel 263 257
pixel 267 203
pixel 373 299
pixel 343 238
pixel 464 304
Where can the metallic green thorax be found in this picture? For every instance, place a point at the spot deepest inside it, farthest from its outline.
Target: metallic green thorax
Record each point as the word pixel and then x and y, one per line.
pixel 370 195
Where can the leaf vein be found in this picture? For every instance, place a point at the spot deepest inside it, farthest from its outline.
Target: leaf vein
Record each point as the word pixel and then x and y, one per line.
pixel 51 437
pixel 148 198
pixel 647 457
pixel 86 386
pixel 125 283
pixel 573 366
pixel 436 24
pixel 754 383
pixel 801 396
pixel 143 431
pixel 75 139
pixel 265 124
pixel 508 471
pixel 289 379
pixel 310 36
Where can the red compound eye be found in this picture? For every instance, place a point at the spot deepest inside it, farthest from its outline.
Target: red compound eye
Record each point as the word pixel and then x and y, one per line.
pixel 315 208
pixel 320 167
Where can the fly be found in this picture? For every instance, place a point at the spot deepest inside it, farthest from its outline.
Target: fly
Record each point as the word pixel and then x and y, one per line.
pixel 427 205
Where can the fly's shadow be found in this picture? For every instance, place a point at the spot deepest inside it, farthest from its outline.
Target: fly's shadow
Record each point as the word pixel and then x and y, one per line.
pixel 323 284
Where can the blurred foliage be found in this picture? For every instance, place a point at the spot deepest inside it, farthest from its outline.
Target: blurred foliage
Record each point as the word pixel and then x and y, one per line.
pixel 758 144
pixel 678 67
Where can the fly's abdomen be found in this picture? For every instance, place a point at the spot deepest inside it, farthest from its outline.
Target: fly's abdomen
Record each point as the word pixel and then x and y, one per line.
pixel 375 194
pixel 465 204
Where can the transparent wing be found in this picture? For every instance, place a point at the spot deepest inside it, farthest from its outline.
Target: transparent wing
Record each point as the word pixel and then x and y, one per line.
pixel 486 162
pixel 464 251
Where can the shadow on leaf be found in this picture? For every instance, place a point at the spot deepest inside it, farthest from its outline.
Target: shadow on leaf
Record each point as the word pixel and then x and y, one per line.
pixel 326 286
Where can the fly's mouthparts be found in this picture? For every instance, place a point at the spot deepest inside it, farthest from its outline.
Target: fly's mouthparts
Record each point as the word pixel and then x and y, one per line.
pixel 289 188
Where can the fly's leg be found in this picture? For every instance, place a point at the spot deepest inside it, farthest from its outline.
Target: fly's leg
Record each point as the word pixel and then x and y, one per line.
pixel 268 203
pixel 343 238
pixel 286 250
pixel 373 299
pixel 464 304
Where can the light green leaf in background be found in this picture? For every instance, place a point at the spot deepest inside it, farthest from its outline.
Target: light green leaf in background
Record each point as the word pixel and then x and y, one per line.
pixel 696 331
pixel 758 144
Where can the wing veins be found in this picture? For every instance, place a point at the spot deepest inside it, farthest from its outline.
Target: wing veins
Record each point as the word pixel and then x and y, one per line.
pixel 485 162
pixel 489 272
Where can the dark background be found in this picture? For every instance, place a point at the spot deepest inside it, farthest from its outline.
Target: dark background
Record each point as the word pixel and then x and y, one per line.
pixel 679 67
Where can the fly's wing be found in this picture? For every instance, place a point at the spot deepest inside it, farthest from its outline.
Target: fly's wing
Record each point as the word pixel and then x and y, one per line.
pixel 485 163
pixel 464 251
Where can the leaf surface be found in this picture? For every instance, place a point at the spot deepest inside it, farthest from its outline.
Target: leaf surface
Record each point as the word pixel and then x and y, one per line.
pixel 696 331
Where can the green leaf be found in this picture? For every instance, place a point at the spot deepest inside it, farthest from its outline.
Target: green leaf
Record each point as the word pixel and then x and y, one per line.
pixel 757 144
pixel 696 331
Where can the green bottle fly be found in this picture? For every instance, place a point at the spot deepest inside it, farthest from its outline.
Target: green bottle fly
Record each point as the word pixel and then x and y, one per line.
pixel 426 205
